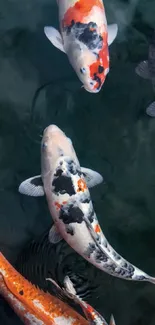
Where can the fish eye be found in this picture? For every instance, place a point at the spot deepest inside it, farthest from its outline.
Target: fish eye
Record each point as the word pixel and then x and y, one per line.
pixel 44 145
pixel 83 70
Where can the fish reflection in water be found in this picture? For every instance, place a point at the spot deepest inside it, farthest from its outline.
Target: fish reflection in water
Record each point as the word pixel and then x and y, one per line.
pixel 40 260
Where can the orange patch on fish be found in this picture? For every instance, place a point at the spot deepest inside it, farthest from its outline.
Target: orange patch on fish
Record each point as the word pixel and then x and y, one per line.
pixel 97 228
pixel 102 61
pixel 79 11
pixel 82 186
pixel 91 312
pixel 58 205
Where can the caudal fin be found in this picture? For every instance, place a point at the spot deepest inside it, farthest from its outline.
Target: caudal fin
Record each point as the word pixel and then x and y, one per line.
pixel 112 321
pixel 150 279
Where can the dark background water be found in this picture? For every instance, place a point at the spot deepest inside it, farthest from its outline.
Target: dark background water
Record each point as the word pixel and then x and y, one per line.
pixel 111 134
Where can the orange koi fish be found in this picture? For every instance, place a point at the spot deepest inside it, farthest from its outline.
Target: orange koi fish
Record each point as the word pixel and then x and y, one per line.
pixel 84 36
pixel 32 305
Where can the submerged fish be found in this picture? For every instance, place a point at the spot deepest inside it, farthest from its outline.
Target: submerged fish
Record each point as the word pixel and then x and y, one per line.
pixel 93 317
pixel 84 37
pixel 71 208
pixel 146 70
pixel 32 305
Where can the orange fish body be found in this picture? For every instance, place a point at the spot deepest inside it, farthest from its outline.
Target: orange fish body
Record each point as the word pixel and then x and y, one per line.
pixel 84 38
pixel 33 306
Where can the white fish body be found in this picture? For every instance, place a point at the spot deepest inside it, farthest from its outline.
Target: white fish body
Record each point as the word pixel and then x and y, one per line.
pixel 71 208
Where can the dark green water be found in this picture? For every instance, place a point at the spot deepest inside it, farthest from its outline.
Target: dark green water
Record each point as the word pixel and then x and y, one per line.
pixel 111 134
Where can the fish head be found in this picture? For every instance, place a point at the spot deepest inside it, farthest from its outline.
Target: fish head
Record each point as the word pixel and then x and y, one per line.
pixel 91 66
pixel 54 145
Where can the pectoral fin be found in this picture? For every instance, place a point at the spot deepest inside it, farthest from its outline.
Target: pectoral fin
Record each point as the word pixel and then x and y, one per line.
pixel 151 110
pixel 112 33
pixel 92 177
pixel 54 37
pixel 143 70
pixel 54 235
pixel 32 186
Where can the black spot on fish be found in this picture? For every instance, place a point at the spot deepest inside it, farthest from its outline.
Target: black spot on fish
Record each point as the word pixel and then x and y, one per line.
pixel 100 256
pixel 111 268
pixel 140 278
pixel 71 214
pixel 125 265
pixel 59 172
pixel 63 184
pixel 36 181
pixel 86 33
pixel 21 292
pixel 97 55
pixel 100 69
pixel 73 168
pixel 86 200
pixel 116 256
pixel 91 248
pixel 122 272
pixel 98 80
pixel 83 70
pixel 91 216
pixel 98 238
pixel 130 268
pixel 70 230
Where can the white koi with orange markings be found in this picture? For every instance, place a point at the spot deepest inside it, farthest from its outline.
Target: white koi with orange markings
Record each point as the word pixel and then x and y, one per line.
pixel 84 37
pixel 69 201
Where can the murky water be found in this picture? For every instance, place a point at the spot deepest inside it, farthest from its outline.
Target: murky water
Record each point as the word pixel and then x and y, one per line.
pixel 111 134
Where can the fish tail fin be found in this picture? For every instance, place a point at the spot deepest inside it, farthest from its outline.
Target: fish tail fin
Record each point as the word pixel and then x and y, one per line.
pixel 112 320
pixel 151 279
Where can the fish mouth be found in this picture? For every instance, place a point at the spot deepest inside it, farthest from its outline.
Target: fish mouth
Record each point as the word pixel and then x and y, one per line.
pixel 93 91
pixel 51 128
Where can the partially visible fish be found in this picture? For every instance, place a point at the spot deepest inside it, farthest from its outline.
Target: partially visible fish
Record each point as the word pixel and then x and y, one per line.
pixel 64 184
pixel 32 305
pixel 146 70
pixel 84 37
pixel 93 317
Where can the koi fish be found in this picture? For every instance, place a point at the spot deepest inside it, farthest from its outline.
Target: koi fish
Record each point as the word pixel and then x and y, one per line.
pixel 64 184
pixel 146 70
pixel 32 305
pixel 93 317
pixel 84 37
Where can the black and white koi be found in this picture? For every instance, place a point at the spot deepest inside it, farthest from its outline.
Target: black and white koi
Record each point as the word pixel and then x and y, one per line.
pixel 65 185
